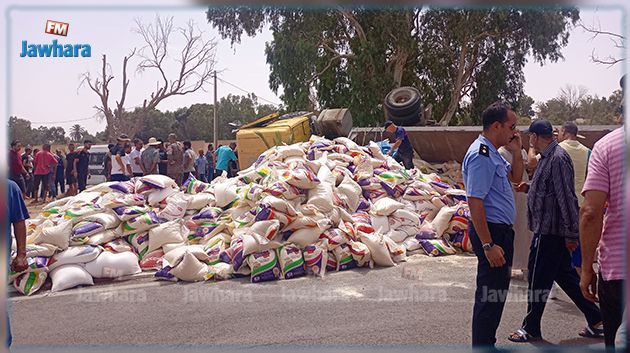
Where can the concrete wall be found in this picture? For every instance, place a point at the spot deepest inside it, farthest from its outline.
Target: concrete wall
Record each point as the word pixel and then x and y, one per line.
pixel 438 144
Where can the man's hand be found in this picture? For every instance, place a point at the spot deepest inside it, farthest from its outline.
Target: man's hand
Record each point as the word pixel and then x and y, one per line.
pixel 19 264
pixel 495 256
pixel 522 187
pixel 571 244
pixel 515 144
pixel 587 285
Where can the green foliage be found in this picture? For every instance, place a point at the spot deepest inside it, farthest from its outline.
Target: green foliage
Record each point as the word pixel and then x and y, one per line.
pixel 591 110
pixel 352 58
pixel 20 129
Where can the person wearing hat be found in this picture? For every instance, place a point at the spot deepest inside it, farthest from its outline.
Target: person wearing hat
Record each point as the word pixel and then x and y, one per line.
pixel 404 154
pixel 568 140
pixel 118 165
pixel 487 177
pixel 552 213
pixel 150 157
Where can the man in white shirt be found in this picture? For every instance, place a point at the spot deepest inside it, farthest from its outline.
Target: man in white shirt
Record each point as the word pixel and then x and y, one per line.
pixel 135 158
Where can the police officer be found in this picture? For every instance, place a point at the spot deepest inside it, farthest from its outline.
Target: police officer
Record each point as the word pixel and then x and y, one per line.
pixel 487 176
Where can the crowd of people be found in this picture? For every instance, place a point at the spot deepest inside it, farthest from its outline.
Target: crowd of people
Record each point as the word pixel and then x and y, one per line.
pixel 41 174
pixel 553 212
pixel 131 158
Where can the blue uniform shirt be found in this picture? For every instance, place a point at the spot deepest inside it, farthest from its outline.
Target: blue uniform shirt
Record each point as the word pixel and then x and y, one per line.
pixel 485 174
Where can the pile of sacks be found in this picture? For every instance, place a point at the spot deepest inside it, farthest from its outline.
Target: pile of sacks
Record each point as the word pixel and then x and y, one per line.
pixel 307 208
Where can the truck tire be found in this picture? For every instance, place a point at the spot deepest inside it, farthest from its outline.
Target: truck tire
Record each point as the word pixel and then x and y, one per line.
pixel 402 101
pixel 409 120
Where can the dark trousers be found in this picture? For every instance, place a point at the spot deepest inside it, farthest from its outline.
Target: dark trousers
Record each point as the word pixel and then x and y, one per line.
pixel 119 177
pixel 611 304
pixel 44 180
pixel 492 284
pixel 59 180
pixel 82 181
pixel 549 261
pixel 405 157
pixel 138 174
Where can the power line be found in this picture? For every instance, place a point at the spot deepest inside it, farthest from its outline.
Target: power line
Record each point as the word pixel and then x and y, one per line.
pixel 61 122
pixel 246 91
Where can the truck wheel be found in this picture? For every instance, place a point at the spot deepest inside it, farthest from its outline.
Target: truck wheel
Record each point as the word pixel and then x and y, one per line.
pixel 402 101
pixel 409 120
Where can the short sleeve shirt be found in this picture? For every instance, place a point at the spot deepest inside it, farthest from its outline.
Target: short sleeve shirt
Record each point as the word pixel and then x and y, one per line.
pixel 118 151
pixel 149 156
pixel 17 208
pixel 605 174
pixel 135 167
pixel 70 158
pixel 44 161
pixel 485 174
pixel 83 163
pixel 401 135
pixel 224 155
pixel 15 163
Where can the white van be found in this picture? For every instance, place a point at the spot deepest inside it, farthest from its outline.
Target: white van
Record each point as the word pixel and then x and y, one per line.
pixel 98 153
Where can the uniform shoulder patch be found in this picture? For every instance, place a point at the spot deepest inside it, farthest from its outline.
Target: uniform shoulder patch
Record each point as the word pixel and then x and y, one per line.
pixel 484 150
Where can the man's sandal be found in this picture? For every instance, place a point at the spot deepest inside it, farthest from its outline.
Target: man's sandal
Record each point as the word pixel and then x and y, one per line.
pixel 592 332
pixel 521 336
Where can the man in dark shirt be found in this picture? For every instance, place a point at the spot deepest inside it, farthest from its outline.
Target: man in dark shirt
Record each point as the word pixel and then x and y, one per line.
pixel 71 171
pixel 553 218
pixel 83 163
pixel 16 167
pixel 404 154
pixel 163 164
pixel 119 169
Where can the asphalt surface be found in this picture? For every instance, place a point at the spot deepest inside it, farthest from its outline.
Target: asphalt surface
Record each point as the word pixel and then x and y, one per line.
pixel 425 303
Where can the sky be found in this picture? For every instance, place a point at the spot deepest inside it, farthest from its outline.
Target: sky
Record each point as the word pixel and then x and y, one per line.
pixel 46 90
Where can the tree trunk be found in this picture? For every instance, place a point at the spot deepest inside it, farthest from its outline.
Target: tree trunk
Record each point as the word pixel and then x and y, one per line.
pixel 456 94
pixel 399 66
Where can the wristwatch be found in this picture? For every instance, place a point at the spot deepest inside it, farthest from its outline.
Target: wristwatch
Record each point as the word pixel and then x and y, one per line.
pixel 487 246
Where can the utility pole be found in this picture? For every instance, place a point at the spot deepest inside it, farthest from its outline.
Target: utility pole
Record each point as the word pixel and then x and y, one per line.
pixel 214 123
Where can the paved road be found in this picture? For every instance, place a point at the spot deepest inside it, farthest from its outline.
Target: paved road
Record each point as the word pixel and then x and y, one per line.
pixel 426 302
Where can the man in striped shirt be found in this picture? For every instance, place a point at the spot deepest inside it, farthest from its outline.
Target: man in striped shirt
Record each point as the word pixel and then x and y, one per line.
pixel 553 218
pixel 604 184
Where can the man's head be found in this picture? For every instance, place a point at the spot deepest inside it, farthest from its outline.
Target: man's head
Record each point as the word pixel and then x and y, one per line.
pixel 58 152
pixel 210 147
pixel 499 123
pixel 138 143
pixel 568 131
pixel 540 134
pixel 233 146
pixel 16 145
pixel 87 144
pixel 187 144
pixel 127 147
pixel 71 147
pixel 122 139
pixel 200 152
pixel 28 149
pixel 46 147
pixel 390 126
pixel 172 138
